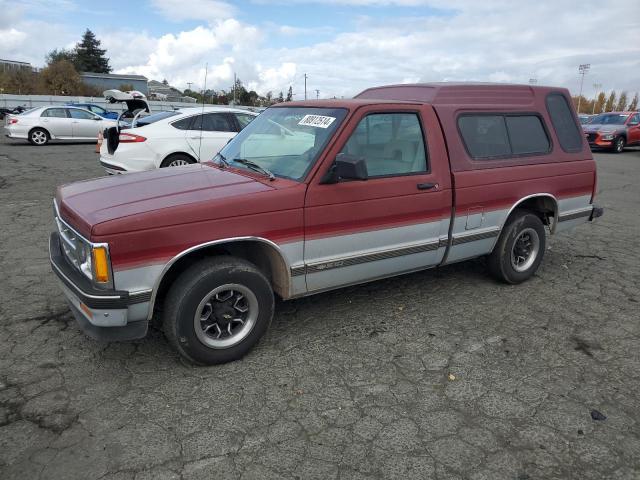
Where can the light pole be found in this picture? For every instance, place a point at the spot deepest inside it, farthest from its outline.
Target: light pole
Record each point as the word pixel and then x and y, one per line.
pixel 596 87
pixel 583 69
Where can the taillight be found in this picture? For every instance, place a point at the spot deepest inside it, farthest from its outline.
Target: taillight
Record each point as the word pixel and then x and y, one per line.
pixel 131 138
pixel 12 121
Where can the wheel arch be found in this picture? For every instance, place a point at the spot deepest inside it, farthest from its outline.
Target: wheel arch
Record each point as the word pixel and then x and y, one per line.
pixel 263 253
pixel 178 152
pixel 543 204
pixel 38 127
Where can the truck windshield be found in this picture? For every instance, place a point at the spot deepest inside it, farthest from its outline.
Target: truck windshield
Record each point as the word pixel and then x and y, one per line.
pixel 610 119
pixel 284 141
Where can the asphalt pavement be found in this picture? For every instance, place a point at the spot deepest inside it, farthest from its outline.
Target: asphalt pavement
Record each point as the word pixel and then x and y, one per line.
pixel 443 374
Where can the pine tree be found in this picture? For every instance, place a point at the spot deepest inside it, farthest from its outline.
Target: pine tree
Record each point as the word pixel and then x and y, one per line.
pixel 622 102
pixel 634 103
pixel 611 102
pixel 280 98
pixel 89 57
pixel 289 94
pixel 600 102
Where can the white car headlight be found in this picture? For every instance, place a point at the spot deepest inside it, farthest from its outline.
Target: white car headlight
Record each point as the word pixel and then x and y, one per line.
pixel 607 136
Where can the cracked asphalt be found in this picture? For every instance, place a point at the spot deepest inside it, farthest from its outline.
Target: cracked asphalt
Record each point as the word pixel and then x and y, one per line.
pixel 443 374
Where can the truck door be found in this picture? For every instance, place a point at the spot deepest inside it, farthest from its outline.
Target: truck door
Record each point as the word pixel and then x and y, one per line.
pixel 395 221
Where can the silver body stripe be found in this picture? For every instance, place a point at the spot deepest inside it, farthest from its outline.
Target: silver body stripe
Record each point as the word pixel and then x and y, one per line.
pixel 331 262
pixel 357 257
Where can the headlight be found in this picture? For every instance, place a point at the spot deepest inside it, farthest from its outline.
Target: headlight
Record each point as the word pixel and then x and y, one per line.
pixel 90 259
pixel 608 136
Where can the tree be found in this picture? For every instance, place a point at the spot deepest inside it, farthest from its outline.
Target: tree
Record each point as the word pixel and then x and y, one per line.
pixel 89 57
pixel 280 98
pixel 56 55
pixel 289 94
pixel 611 101
pixel 60 78
pixel 125 87
pixel 600 102
pixel 622 102
pixel 164 82
pixel 634 103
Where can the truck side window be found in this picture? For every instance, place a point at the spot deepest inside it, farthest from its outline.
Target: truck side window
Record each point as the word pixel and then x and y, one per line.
pixel 390 143
pixel 568 132
pixel 488 136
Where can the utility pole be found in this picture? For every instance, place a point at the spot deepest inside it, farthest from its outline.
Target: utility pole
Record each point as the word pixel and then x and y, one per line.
pixel 305 86
pixel 189 85
pixel 583 69
pixel 317 94
pixel 596 87
pixel 533 81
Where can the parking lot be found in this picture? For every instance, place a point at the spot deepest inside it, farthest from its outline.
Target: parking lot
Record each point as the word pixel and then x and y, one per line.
pixel 442 374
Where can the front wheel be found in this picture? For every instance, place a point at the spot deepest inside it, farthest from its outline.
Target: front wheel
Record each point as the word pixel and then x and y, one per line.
pixel 520 248
pixel 217 310
pixel 618 145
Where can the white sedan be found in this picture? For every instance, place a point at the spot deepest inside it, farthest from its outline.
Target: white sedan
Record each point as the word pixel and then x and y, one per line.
pixel 169 139
pixel 42 124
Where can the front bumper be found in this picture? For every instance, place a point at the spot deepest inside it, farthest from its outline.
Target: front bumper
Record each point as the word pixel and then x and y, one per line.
pixel 103 315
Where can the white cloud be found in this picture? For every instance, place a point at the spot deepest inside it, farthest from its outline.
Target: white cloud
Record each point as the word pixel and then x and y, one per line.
pixel 490 40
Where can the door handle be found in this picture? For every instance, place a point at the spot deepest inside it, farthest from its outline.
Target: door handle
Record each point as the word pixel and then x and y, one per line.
pixel 427 186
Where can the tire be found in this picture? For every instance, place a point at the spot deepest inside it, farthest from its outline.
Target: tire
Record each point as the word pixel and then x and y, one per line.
pixel 523 232
pixel 177 160
pixel 39 137
pixel 618 145
pixel 198 299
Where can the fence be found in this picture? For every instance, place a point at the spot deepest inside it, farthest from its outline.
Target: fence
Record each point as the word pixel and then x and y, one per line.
pixel 11 101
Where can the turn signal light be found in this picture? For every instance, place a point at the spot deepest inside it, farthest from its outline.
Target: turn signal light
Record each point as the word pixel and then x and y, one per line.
pixel 100 265
pixel 131 138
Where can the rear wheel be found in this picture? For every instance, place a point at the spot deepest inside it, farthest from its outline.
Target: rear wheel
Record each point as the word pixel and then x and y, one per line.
pixel 520 248
pixel 177 160
pixel 38 136
pixel 217 310
pixel 618 145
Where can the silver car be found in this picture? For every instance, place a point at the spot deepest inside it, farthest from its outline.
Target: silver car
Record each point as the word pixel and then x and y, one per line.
pixel 42 124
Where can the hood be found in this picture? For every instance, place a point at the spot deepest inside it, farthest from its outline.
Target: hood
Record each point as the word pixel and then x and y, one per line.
pixel 160 197
pixel 598 127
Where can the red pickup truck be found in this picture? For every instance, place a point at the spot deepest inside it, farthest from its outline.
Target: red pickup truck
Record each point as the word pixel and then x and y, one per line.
pixel 317 195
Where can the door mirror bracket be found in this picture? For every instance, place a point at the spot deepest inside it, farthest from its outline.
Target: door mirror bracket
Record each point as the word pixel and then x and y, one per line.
pixel 346 167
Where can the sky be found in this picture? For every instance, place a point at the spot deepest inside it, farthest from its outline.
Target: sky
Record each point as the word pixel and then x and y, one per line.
pixel 344 46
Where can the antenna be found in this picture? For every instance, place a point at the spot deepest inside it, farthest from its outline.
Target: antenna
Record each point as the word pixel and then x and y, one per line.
pixel 206 70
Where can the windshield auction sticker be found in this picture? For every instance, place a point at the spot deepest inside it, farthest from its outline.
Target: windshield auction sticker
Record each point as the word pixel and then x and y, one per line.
pixel 316 121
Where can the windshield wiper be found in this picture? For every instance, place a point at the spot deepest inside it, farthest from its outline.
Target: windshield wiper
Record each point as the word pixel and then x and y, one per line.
pixel 255 167
pixel 223 160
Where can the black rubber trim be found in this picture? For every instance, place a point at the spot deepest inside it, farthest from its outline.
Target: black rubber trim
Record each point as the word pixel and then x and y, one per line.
pixel 597 212
pixel 112 167
pixel 474 238
pixel 82 286
pixel 131 331
pixel 574 216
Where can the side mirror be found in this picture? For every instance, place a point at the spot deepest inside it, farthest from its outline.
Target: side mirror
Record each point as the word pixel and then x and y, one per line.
pixel 346 167
pixel 97 118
